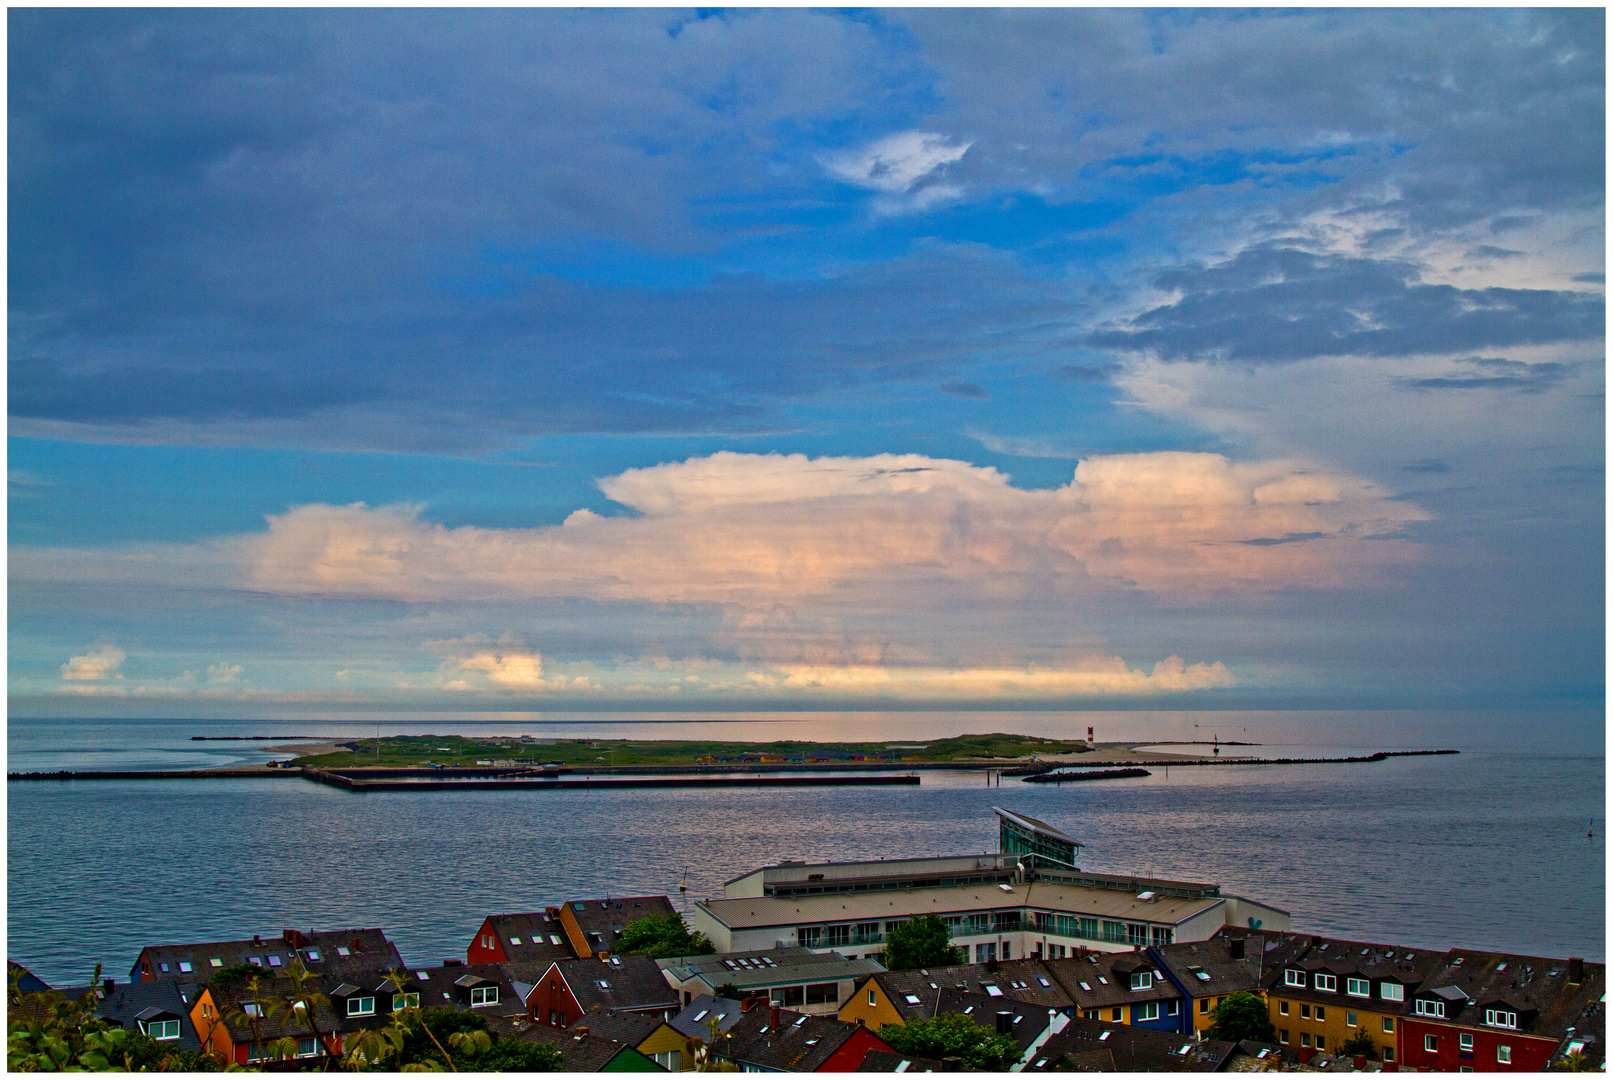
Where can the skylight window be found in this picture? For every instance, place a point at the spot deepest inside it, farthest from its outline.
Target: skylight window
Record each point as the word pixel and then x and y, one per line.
pixel 184 965
pixel 274 961
pixel 514 940
pixel 1104 1036
pixel 216 961
pixel 1087 988
pixel 313 955
pixel 1043 980
pixel 554 939
pixel 343 950
pixel 799 1021
pixel 602 984
pixel 701 1015
pixel 911 999
pixel 992 991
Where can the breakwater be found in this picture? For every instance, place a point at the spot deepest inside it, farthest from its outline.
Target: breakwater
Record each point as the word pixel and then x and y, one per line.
pixel 1381 755
pixel 1085 774
pixel 437 784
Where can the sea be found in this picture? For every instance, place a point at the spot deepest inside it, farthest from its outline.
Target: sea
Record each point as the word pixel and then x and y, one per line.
pixel 1501 846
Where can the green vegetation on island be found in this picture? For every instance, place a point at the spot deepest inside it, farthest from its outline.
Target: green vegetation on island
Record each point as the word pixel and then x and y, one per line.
pixel 399 751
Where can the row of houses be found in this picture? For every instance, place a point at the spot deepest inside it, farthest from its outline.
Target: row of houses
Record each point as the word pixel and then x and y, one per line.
pixel 1076 968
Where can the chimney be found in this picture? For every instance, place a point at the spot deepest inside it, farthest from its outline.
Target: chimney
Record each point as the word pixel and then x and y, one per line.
pixel 357 945
pixel 952 1064
pixel 991 962
pixel 1005 1022
pixel 257 939
pixel 580 1030
pixel 1576 969
pixel 106 987
pixel 1237 948
pixel 774 1027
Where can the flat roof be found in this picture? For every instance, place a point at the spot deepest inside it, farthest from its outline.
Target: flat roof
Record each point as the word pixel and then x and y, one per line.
pixel 763 911
pixel 1027 822
pixel 835 969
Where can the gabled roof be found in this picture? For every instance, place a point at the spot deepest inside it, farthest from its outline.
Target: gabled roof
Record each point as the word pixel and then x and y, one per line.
pixel 602 920
pixel 1024 1023
pixel 531 936
pixel 631 1028
pixel 696 1017
pixel 1090 1046
pixel 1408 966
pixel 1093 981
pixel 449 986
pixel 1020 980
pixel 27 981
pixel 889 1061
pixel 131 1003
pixel 1535 987
pixel 232 999
pixel 327 952
pixel 580 1051
pixel 629 983
pixel 800 1043
pixel 1207 968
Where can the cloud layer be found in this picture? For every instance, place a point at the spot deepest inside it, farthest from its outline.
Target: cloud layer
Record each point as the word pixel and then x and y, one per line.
pixel 763 529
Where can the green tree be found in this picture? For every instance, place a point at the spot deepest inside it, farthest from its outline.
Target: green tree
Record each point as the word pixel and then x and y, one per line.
pixel 1359 1043
pixel 952 1035
pixel 923 942
pixel 662 936
pixel 238 973
pixel 1242 1016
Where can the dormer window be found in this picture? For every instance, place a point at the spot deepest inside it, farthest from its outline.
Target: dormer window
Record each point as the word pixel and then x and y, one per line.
pixel 1391 991
pixel 1430 1008
pixel 1503 1018
pixel 483 995
pixel 1293 978
pixel 1142 980
pixel 1358 987
pixel 163 1030
pixel 1329 983
pixel 361 1006
pixel 405 1001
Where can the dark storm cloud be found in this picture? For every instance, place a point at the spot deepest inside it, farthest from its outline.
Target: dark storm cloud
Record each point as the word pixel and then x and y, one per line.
pixel 1276 304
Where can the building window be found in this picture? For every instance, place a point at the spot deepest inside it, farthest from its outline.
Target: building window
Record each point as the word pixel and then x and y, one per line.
pixel 1115 1015
pixel 1321 1012
pixel 1388 1053
pixel 1358 987
pixel 252 1008
pixel 1293 978
pixel 1114 931
pixel 1503 1054
pixel 1464 1042
pixel 1148 1010
pixel 163 1030
pixel 788 996
pixel 1327 982
pixel 1282 1036
pixel 1136 934
pixel 810 937
pixel 184 965
pixel 1350 1020
pixel 671 1061
pixel 1282 1007
pixel 838 935
pixel 360 1006
pixel 483 995
pixel 822 993
pixel 1162 935
pixel 1142 980
pixel 985 952
pixel 1175 1008
pixel 1305 1010
pixel 1431 1043
pixel 1321 1042
pixel 1500 1018
pixel 405 1001
pixel 1389 1024
pixel 215 961
pixel 1204 1006
pixel 552 1021
pixel 307 1048
pixel 867 933
pixel 1391 991
pixel 1304 1038
pixel 1431 1008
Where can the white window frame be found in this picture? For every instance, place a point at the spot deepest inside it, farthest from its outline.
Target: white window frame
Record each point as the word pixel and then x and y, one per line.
pixel 1150 1011
pixel 1293 978
pixel 1361 988
pixel 1430 1044
pixel 184 966
pixel 311 1043
pixel 1464 1042
pixel 1503 1054
pixel 1435 1009
pixel 483 996
pixel 1327 982
pixel 1391 991
pixel 408 999
pixel 159 1030
pixel 1501 1018
pixel 1142 980
pixel 361 1006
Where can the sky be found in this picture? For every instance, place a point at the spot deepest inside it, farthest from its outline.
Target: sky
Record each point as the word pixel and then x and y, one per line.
pixel 513 360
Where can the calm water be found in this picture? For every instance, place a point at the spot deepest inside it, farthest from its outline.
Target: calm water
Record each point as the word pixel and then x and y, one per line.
pixel 1485 849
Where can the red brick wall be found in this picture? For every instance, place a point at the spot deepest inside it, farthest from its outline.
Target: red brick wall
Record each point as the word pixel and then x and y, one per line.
pixel 1528 1054
pixel 477 953
pixel 551 993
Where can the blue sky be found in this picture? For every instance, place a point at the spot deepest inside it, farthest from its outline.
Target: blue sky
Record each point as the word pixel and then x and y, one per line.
pixel 603 359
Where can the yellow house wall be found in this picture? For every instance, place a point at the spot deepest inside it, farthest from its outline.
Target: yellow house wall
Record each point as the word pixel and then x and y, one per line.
pixel 874 1016
pixel 1334 1025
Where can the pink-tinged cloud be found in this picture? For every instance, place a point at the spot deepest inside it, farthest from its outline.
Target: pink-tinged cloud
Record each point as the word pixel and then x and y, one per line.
pixel 761 529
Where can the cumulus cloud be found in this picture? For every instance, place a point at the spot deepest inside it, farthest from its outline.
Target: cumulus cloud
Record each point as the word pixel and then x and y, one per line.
pixel 94 666
pixel 221 674
pixel 762 529
pixel 477 662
